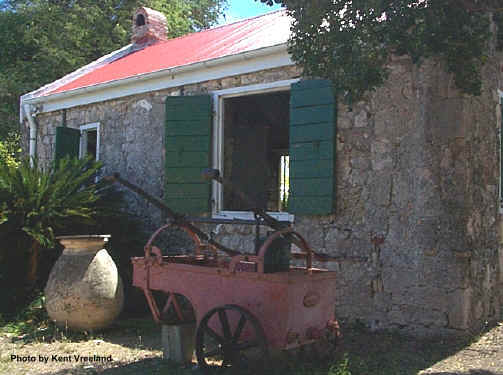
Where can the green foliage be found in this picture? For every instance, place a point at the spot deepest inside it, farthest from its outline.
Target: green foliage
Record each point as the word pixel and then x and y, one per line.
pixel 184 16
pixel 32 324
pixel 10 150
pixel 27 319
pixel 42 40
pixel 350 42
pixel 38 202
pixel 342 368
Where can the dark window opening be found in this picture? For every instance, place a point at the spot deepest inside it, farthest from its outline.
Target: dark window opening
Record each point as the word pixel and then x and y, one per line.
pixel 140 20
pixel 256 141
pixel 92 143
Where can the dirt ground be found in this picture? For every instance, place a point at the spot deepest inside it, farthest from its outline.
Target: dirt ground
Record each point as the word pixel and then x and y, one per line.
pixel 129 347
pixel 134 347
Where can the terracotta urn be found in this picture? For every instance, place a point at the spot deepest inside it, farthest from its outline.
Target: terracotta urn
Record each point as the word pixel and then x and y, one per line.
pixel 84 291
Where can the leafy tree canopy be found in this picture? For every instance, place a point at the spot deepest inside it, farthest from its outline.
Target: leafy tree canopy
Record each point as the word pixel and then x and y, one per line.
pixel 42 40
pixel 350 42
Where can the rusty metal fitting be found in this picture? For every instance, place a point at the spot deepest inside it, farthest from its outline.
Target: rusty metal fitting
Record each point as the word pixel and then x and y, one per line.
pixel 313 333
pixel 333 325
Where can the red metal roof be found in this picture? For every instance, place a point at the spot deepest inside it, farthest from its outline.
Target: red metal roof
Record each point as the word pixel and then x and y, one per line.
pixel 238 37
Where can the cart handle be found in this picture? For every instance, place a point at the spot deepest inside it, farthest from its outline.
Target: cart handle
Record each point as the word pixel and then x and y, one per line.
pixel 194 236
pixel 304 245
pixel 259 259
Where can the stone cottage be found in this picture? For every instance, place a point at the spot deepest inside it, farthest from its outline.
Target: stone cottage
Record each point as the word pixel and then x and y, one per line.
pixel 404 189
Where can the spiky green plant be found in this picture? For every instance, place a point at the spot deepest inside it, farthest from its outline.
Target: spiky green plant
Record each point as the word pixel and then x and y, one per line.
pixel 37 200
pixel 35 204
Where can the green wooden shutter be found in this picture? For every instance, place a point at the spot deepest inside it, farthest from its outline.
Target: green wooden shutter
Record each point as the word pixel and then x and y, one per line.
pixel 67 143
pixel 312 148
pixel 188 140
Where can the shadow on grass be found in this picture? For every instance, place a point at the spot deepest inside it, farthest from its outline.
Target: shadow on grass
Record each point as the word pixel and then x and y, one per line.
pixel 134 333
pixel 143 367
pixel 390 353
pixel 360 353
pixel 128 332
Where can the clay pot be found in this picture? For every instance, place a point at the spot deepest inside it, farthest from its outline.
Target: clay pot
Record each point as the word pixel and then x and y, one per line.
pixel 84 291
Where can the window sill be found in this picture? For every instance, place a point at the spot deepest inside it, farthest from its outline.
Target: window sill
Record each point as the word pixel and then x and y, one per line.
pixel 248 215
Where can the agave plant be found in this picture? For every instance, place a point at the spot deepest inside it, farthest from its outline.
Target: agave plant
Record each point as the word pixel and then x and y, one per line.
pixel 36 202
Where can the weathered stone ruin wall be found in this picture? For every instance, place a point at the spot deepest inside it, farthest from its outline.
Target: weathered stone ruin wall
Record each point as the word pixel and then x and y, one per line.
pixel 417 174
pixel 132 134
pixel 480 296
pixel 417 222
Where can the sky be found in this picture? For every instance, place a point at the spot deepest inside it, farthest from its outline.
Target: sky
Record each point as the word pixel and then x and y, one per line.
pixel 239 9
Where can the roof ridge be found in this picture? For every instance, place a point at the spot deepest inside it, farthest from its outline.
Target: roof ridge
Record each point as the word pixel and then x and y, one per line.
pixel 222 26
pixel 247 19
pixel 253 33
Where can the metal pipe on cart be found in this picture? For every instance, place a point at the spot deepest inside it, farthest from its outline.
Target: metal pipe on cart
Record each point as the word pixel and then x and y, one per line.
pixel 183 220
pixel 214 174
pixel 176 217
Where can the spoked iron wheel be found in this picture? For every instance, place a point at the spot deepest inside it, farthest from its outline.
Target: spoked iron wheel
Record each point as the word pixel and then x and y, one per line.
pixel 171 308
pixel 229 338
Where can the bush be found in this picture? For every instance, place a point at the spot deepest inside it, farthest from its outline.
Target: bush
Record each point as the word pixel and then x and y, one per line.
pixel 10 150
pixel 35 204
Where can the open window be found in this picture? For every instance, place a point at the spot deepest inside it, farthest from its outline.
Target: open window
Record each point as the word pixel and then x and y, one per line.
pixel 78 142
pixel 251 148
pixel 256 129
pixel 275 141
pixel 90 141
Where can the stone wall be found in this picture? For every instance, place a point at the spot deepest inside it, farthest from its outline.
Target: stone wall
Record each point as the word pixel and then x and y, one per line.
pixel 480 296
pixel 417 222
pixel 416 226
pixel 132 134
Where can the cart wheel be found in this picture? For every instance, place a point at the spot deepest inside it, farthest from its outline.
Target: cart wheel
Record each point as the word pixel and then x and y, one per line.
pixel 230 337
pixel 168 313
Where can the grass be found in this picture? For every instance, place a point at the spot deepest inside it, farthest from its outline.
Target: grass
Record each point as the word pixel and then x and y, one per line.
pixel 136 347
pixel 34 325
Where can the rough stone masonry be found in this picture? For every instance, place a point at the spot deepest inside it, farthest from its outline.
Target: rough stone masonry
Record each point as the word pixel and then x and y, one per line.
pixel 417 220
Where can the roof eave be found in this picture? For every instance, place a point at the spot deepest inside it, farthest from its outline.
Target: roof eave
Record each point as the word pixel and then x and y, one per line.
pixel 254 60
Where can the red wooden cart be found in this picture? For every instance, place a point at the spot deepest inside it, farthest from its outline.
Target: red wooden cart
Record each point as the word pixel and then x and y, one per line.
pixel 241 305
pixel 240 310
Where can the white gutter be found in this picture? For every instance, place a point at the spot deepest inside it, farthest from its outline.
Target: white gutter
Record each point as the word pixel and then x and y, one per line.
pixel 33 132
pixel 170 72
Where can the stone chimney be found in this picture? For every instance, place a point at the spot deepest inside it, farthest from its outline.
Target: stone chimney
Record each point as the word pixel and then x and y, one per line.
pixel 149 27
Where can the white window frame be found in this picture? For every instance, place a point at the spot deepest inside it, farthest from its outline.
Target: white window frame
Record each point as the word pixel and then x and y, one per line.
pixel 218 96
pixel 83 139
